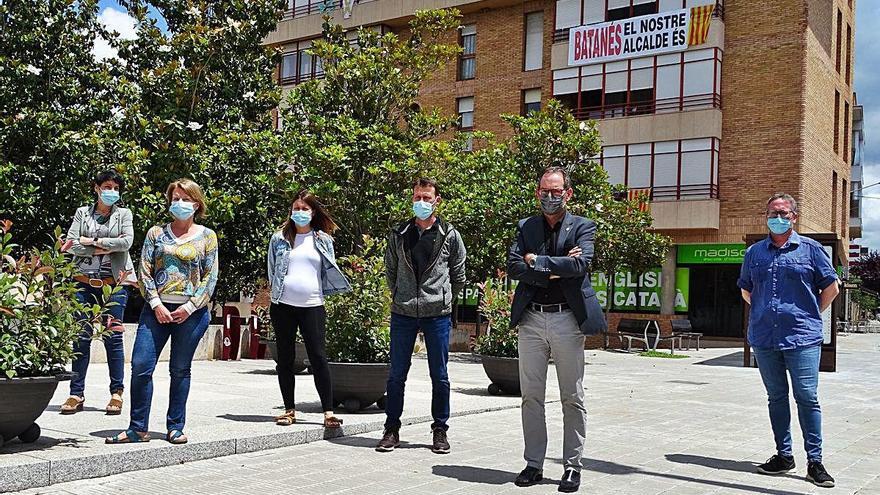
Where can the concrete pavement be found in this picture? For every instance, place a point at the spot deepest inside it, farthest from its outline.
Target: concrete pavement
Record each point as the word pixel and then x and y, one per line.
pixel 656 426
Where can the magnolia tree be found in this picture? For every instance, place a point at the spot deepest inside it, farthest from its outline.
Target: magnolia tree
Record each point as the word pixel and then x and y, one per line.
pixel 193 100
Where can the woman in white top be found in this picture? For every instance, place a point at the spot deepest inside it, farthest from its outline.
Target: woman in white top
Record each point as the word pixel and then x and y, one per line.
pixel 302 271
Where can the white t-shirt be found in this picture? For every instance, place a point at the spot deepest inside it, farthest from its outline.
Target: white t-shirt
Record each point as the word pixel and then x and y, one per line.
pixel 302 283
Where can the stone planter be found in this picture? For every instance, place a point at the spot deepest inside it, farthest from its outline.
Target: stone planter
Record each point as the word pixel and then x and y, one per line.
pixel 24 400
pixel 503 373
pixel 358 385
pixel 300 362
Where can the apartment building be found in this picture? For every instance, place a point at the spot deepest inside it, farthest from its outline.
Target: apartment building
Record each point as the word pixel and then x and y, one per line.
pixel 707 107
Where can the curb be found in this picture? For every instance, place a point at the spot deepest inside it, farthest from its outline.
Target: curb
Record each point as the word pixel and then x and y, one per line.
pixel 42 473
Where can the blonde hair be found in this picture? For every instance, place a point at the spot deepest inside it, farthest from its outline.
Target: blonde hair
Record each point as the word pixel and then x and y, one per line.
pixel 193 191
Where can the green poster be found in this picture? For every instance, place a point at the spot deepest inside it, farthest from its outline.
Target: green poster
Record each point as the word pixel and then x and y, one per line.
pixel 641 293
pixel 710 254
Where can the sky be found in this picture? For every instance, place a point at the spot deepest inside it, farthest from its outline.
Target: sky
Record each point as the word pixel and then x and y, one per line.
pixel 867 86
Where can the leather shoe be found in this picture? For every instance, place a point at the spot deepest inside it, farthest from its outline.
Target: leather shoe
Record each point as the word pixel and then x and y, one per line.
pixel 529 476
pixel 571 481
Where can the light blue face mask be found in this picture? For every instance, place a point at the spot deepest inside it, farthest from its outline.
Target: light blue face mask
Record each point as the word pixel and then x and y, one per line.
pixel 422 209
pixel 779 225
pixel 109 196
pixel 301 217
pixel 182 210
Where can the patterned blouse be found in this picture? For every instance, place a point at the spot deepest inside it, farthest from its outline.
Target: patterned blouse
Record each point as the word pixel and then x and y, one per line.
pixel 179 271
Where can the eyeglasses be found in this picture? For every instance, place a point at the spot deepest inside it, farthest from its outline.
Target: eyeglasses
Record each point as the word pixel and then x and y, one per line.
pixel 779 213
pixel 556 193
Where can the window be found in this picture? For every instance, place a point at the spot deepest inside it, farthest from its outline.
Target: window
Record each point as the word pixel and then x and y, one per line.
pixel 844 215
pixel 836 122
pixel 834 201
pixel 848 53
pixel 674 170
pixel 467 62
pixel 635 10
pixel 466 118
pixel 534 41
pixel 289 67
pixel 297 65
pixel 531 100
pixel 845 131
pixel 839 34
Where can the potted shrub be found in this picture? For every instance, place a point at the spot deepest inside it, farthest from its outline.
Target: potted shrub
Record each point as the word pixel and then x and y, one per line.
pixel 301 361
pixel 498 348
pixel 358 331
pixel 40 319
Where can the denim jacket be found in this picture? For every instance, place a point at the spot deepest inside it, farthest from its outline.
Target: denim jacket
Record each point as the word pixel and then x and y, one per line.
pixel 332 279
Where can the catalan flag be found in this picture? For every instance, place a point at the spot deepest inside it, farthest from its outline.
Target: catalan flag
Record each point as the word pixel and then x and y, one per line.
pixel 643 196
pixel 701 18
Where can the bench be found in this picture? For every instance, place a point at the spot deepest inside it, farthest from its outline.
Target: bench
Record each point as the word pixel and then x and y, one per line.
pixel 683 329
pixel 644 331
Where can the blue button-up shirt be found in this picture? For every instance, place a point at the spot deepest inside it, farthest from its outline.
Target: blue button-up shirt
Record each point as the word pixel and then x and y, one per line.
pixel 785 284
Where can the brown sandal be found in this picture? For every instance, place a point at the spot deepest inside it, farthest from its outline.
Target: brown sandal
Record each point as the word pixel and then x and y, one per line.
pixel 286 419
pixel 332 422
pixel 72 405
pixel 114 407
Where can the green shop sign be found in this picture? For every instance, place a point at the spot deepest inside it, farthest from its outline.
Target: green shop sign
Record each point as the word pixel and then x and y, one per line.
pixel 710 254
pixel 641 293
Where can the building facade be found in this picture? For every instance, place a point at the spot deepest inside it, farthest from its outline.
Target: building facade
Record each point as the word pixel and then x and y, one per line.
pixel 708 107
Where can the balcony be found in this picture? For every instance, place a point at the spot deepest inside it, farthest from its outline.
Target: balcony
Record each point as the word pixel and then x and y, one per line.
pixel 687 214
pixel 663 105
pixel 855 227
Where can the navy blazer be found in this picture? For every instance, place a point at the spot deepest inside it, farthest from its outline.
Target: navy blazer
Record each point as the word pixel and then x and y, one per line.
pixel 574 273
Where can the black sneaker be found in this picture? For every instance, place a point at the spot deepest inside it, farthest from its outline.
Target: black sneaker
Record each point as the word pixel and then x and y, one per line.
pixel 441 443
pixel 529 476
pixel 818 476
pixel 390 441
pixel 777 465
pixel 570 482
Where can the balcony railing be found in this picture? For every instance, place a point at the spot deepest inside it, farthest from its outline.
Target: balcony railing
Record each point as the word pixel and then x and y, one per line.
pixel 663 105
pixel 315 7
pixel 684 191
pixel 561 35
pixel 297 79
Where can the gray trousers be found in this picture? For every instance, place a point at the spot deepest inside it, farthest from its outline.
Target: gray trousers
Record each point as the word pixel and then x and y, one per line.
pixel 542 335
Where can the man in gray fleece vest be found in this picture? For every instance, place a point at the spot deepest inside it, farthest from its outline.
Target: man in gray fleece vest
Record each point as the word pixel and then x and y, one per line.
pixel 424 263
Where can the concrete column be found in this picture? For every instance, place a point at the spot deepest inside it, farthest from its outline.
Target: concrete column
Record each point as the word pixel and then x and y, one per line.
pixel 667 281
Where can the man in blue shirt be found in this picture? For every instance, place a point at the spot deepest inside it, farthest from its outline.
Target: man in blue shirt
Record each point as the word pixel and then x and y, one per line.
pixel 789 281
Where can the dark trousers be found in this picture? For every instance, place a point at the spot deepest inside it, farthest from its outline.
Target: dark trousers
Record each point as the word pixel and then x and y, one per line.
pixel 311 323
pixel 404 330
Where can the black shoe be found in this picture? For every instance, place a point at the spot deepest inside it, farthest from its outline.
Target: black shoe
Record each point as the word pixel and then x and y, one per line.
pixel 818 476
pixel 777 465
pixel 441 443
pixel 529 476
pixel 570 482
pixel 390 441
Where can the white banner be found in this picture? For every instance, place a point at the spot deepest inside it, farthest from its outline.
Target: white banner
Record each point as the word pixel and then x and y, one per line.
pixel 653 34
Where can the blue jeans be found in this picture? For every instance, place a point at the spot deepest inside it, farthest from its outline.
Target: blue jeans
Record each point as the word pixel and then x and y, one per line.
pixel 150 340
pixel 404 330
pixel 802 365
pixel 112 342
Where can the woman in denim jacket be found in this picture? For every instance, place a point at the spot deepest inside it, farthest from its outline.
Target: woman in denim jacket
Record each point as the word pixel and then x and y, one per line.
pixel 302 272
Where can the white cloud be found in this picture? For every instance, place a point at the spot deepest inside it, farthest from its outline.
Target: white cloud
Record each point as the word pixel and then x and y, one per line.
pixel 113 20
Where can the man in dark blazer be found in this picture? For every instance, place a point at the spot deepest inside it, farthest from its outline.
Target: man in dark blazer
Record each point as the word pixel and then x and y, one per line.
pixel 554 307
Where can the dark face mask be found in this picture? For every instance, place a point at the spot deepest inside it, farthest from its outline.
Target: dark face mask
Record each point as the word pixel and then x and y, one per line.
pixel 551 204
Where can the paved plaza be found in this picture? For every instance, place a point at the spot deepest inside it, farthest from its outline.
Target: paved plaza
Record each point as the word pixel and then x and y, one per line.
pixel 689 426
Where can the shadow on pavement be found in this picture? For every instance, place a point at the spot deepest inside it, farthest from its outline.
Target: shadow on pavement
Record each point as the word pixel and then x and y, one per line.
pixel 370 443
pixel 57 408
pixel 485 476
pixel 154 435
pixel 711 462
pixel 733 360
pixel 16 446
pixel 607 467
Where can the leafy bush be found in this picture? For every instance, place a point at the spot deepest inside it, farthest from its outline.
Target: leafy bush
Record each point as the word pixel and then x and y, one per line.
pixel 358 322
pixel 500 339
pixel 40 317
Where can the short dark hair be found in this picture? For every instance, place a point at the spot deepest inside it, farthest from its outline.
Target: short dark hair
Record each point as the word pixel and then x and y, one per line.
pixel 426 182
pixel 556 169
pixel 111 175
pixel 786 197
